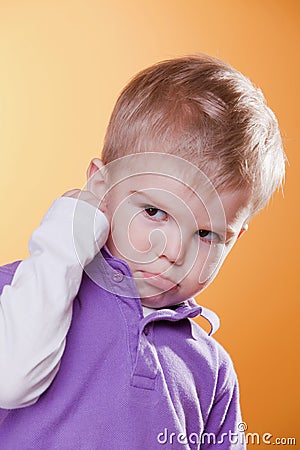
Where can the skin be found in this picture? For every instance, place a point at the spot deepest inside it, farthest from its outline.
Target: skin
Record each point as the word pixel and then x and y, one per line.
pixel 170 226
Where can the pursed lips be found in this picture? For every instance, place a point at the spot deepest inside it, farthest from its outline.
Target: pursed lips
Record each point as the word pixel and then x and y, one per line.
pixel 158 280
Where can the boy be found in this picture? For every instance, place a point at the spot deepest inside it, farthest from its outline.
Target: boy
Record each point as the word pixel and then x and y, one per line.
pixel 191 153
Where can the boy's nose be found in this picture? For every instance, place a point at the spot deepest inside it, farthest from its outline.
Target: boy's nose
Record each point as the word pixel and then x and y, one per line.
pixel 169 244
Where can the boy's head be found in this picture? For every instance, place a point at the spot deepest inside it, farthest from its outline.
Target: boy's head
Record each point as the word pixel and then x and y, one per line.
pixel 191 153
pixel 205 111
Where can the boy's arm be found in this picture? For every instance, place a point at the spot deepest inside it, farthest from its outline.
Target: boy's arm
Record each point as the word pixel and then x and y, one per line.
pixel 36 309
pixel 224 427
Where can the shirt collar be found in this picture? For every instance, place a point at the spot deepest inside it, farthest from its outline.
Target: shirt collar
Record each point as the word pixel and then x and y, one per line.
pixel 106 263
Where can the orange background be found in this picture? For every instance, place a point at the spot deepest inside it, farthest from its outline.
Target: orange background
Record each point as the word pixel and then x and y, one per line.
pixel 62 65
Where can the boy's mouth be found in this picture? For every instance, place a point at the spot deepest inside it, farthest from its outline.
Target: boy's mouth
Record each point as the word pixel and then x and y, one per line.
pixel 159 281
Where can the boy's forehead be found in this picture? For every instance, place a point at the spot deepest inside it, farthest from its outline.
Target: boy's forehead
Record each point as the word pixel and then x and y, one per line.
pixel 160 170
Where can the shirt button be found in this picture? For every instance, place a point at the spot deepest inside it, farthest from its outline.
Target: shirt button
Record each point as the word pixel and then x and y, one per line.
pixel 117 276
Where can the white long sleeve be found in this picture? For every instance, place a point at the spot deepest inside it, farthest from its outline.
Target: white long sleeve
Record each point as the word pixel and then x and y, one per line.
pixel 36 309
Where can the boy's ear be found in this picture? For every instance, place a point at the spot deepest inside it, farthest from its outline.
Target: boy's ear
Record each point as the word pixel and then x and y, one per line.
pixel 95 177
pixel 242 231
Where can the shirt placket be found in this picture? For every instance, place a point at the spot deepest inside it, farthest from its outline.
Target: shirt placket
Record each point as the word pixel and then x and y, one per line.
pixel 140 332
pixel 146 363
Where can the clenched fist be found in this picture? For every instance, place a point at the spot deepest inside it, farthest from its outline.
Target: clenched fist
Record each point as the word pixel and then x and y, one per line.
pixel 88 197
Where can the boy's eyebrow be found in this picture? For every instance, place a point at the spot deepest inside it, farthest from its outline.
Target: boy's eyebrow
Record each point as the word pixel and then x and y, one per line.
pixel 229 232
pixel 140 193
pixel 147 196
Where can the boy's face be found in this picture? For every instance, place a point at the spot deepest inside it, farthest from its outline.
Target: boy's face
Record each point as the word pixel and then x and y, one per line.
pixel 170 225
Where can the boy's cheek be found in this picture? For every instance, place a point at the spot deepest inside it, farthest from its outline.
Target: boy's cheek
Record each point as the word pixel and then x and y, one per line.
pixel 211 264
pixel 131 242
pixel 147 242
pixel 138 243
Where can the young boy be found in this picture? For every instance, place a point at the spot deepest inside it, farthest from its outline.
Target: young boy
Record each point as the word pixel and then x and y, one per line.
pixel 98 349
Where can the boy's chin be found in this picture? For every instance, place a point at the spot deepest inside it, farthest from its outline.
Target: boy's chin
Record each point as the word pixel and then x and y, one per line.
pixel 152 297
pixel 154 303
pixel 162 300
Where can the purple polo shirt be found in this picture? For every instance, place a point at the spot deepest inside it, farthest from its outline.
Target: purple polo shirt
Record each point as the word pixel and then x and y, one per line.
pixel 128 382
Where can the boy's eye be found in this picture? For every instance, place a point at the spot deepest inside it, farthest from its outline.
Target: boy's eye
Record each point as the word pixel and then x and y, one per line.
pixel 209 236
pixel 155 213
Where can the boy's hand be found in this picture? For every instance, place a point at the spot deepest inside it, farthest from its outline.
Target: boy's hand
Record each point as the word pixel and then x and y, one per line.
pixel 88 197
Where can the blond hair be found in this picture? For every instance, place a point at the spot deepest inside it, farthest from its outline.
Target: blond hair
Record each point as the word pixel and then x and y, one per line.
pixel 205 111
